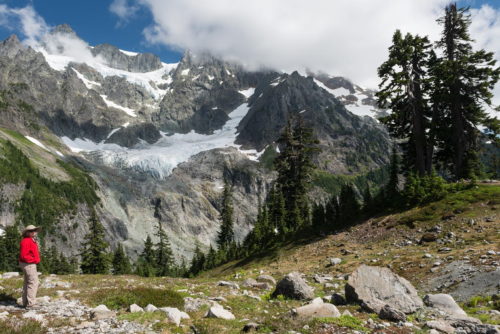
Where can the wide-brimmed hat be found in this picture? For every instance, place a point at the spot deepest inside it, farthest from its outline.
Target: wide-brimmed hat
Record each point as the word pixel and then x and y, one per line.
pixel 31 228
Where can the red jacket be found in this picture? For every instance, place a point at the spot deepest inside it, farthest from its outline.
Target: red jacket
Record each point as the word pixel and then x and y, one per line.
pixel 29 251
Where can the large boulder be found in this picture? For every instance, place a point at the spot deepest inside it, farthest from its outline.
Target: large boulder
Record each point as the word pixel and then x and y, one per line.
pixel 445 303
pixel 217 311
pixel 293 286
pixel 317 309
pixel 375 287
pixel 174 315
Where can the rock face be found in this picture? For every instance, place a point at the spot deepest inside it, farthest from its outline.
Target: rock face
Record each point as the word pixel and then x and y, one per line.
pixel 376 287
pixel 293 286
pixel 317 309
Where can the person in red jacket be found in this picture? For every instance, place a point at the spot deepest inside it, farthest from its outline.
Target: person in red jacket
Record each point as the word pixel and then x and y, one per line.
pixel 29 257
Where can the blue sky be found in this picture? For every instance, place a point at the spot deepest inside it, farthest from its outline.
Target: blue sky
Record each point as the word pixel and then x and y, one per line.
pixel 340 37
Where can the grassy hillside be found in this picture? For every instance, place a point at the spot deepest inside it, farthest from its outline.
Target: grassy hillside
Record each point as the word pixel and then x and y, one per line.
pixel 468 229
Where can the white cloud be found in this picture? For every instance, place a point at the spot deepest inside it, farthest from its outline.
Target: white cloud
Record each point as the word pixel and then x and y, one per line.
pixel 124 9
pixel 344 37
pixel 485 29
pixel 32 26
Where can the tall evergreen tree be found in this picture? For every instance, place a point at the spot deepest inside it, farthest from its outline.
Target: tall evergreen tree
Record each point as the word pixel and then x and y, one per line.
pixel 466 79
pixel 226 233
pixel 120 262
pixel 391 190
pixel 9 245
pixel 295 166
pixel 95 258
pixel 163 253
pixel 349 207
pixel 146 263
pixel 403 89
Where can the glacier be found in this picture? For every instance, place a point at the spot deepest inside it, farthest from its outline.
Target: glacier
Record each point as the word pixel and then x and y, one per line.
pixel 159 159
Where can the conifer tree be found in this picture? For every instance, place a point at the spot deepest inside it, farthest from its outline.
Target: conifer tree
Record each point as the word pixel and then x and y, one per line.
pixel 295 167
pixel 368 202
pixel 120 262
pixel 10 244
pixel 403 89
pixel 391 190
pixel 226 234
pixel 466 79
pixel 95 259
pixel 146 262
pixel 163 253
pixel 349 207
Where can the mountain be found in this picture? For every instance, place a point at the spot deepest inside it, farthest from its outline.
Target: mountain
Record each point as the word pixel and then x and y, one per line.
pixel 159 139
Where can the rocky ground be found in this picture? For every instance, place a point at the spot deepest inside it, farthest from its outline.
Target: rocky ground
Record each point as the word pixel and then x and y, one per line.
pixel 433 269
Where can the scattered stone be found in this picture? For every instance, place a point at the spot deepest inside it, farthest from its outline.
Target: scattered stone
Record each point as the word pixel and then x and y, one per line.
pixel 232 285
pixel 436 264
pixel 491 252
pixel 4 315
pixel 317 309
pixel 218 311
pixel 150 308
pixel 428 237
pixel 218 299
pixel 134 308
pixel 375 287
pixel 249 282
pixel 266 278
pixel 262 286
pixel 174 315
pixel 322 279
pixel 101 312
pixel 444 303
pixel 346 312
pixel 472 325
pixel 435 229
pixel 441 326
pixel 389 313
pixel 33 315
pixel 293 286
pixel 444 250
pixel 338 299
pixel 334 261
pixel 427 256
pixel 251 326
pixel 10 275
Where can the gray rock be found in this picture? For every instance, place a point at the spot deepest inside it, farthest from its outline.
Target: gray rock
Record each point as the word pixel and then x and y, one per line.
pixel 389 313
pixel 251 326
pixel 249 283
pixel 322 278
pixel 219 312
pixel 10 275
pixel 375 287
pixel 444 303
pixel 194 304
pixel 470 326
pixel 266 278
pixel 134 308
pixel 174 315
pixel 232 285
pixel 317 309
pixel 293 286
pixel 150 308
pixel 334 261
pixel 441 325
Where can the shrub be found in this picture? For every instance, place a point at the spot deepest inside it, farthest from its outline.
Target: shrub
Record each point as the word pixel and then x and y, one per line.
pixel 15 325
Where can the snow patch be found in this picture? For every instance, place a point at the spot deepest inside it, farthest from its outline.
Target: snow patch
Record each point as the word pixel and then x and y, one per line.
pixel 147 80
pixel 247 92
pixel 1 231
pixel 210 77
pixel 185 72
pixel 129 53
pixel 37 143
pixel 60 154
pixel 112 104
pixel 88 83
